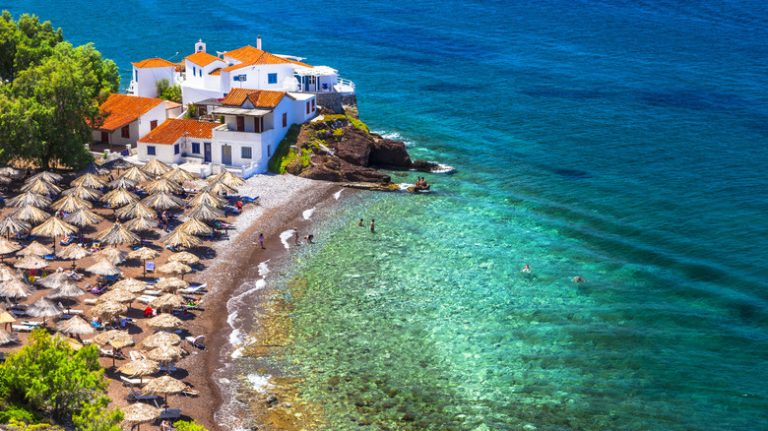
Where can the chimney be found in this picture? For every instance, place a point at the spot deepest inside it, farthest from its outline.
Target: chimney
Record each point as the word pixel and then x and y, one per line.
pixel 258 42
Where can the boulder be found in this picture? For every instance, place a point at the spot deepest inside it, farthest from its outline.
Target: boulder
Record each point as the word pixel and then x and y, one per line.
pixel 329 168
pixel 355 147
pixel 389 153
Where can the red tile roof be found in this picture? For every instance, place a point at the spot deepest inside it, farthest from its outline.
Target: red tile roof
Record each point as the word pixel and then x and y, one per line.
pixel 249 56
pixel 121 109
pixel 153 62
pixel 259 98
pixel 173 129
pixel 202 58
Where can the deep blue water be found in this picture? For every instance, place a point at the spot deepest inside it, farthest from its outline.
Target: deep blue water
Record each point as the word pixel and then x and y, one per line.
pixel 622 141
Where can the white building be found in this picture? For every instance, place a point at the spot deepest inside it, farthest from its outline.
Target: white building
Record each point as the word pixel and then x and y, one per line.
pixel 253 122
pixel 147 73
pixel 124 119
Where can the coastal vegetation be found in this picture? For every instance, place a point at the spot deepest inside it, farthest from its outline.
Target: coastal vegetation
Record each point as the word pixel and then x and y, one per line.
pixel 50 93
pixel 168 92
pixel 49 382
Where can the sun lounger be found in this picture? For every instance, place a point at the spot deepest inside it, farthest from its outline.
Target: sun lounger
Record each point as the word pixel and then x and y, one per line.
pixel 146 299
pixel 109 353
pixel 18 312
pixel 170 414
pixel 23 328
pixel 31 323
pixel 73 312
pixel 195 290
pixel 153 292
pixel 135 395
pixel 189 392
pixel 90 301
pixel 127 381
pixel 198 341
pixel 168 368
pixel 98 290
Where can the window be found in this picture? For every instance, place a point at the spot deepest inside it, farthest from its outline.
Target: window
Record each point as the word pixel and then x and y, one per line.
pixel 152 124
pixel 135 75
pixel 240 78
pixel 245 152
pixel 176 149
pixel 308 104
pixel 285 119
pixel 151 150
pixel 269 151
pixel 195 148
pixel 125 132
pixel 201 73
pixel 313 105
pixel 194 71
pixel 272 78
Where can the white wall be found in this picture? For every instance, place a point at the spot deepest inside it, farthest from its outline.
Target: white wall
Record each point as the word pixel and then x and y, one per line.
pixel 193 78
pixel 191 94
pixel 146 84
pixel 163 152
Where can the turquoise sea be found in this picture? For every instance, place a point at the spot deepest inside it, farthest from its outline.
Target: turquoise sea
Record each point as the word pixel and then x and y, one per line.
pixel 622 141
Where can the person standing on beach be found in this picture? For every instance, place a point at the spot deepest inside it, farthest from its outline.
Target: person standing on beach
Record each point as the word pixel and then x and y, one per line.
pixel 261 240
pixel 373 225
pixel 360 223
pixel 296 236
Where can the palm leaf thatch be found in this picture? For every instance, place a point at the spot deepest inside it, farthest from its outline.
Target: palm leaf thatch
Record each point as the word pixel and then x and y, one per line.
pixel 227 178
pixel 31 215
pixel 143 253
pixel 108 310
pixel 140 413
pixel 44 308
pixel 165 320
pixel 41 187
pixel 6 317
pixel 175 268
pixel 179 238
pixel 84 193
pixel 7 273
pixel 103 267
pixel 171 284
pixel 29 198
pixel 75 326
pixel 83 217
pixel 162 201
pixel 121 183
pixel 136 175
pixel 119 197
pixel 159 339
pixel 10 226
pixel 118 295
pixel 205 212
pixel 88 180
pixel 35 249
pixel 46 176
pixel 135 210
pixel 163 185
pixel 54 227
pixel 8 247
pixel 114 338
pixel 209 199
pixel 195 227
pixel 139 368
pixel 130 285
pixel 178 175
pixel 8 171
pixel 141 224
pixel 184 257
pixel 117 234
pixel 7 338
pixel 73 252
pixel 54 280
pixel 66 291
pixel 112 254
pixel 93 168
pixel 70 203
pixel 219 188
pixel 31 262
pixel 14 289
pixel 155 167
pixel 166 353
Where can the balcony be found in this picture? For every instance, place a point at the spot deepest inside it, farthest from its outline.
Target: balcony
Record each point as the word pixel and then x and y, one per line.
pixel 224 133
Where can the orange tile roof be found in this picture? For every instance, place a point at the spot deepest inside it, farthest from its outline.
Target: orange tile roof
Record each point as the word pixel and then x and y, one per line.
pixel 215 72
pixel 249 56
pixel 121 109
pixel 173 129
pixel 259 98
pixel 202 58
pixel 153 62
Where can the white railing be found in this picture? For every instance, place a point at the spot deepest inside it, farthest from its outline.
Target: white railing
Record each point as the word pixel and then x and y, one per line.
pixel 131 88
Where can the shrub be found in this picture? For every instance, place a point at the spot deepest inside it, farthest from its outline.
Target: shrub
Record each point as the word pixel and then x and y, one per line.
pixel 188 426
pixel 279 160
pixel 14 413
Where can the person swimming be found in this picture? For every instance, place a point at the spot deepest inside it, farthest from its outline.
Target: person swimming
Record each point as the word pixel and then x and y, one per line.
pixel 578 279
pixel 526 268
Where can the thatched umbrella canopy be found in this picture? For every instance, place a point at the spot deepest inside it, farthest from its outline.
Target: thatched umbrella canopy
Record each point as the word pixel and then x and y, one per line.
pixel 178 175
pixel 14 289
pixel 73 252
pixel 93 168
pixel 44 308
pixel 141 224
pixel 166 353
pixel 115 338
pixel 159 339
pixel 83 217
pixel 219 188
pixel 31 262
pixel 7 338
pixel 227 178
pixel 166 321
pixel 130 285
pixel 117 234
pixel 84 193
pixel 184 257
pixel 35 249
pixel 66 291
pixel 8 247
pixel 108 310
pixel 205 212
pixel 8 171
pixel 88 180
pixel 6 317
pixel 209 199
pixel 71 342
pixel 143 254
pixel 54 280
pixel 136 175
pixel 41 187
pixel 163 201
pixel 52 228
pixel 46 176
pixel 121 183
pixel 7 273
pixel 163 185
pixel 103 267
pixel 118 164
pixel 5 180
pixel 135 210
pixel 31 215
pixel 140 413
pixel 195 227
pixel 119 197
pixel 10 226
pixel 112 254
pixel 175 268
pixel 155 168
pixel 179 238
pixel 70 204
pixel 171 284
pixel 75 326
pixel 139 368
pixel 117 295
pixel 29 198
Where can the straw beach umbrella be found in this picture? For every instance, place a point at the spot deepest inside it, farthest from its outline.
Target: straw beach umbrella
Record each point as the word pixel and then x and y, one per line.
pixel 54 280
pixel 171 284
pixel 7 318
pixel 166 353
pixel 10 226
pixel 112 254
pixel 52 228
pixel 84 193
pixel 195 227
pixel 88 180
pixel 83 217
pixel 44 308
pixel 121 183
pixel 184 257
pixel 209 199
pixel 159 339
pixel 14 289
pixel 227 178
pixel 66 291
pixel 175 268
pixel 163 201
pixel 117 234
pixel 166 321
pixel 155 168
pixel 103 267
pixel 46 176
pixel 7 273
pixel 118 295
pixel 108 310
pixel 41 187
pixel 114 338
pixel 205 212
pixel 119 197
pixel 179 238
pixel 139 413
pixel 141 224
pixel 31 214
pixel 29 198
pixel 70 203
pixel 135 210
pixel 31 262
pixel 130 285
pixel 8 247
pixel 144 254
pixel 35 249
pixel 75 326
pixel 139 368
pixel 163 185
pixel 178 175
pixel 219 188
pixel 73 252
pixel 136 175
pixel 8 171
pixel 7 338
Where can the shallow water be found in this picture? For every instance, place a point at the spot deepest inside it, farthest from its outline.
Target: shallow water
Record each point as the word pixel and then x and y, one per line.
pixel 620 141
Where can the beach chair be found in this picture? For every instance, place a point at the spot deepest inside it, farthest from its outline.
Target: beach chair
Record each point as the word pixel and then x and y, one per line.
pixel 170 414
pixel 198 341
pixel 146 299
pixel 168 368
pixel 23 328
pixel 135 395
pixel 149 266
pixel 194 290
pixel 90 301
pixel 127 381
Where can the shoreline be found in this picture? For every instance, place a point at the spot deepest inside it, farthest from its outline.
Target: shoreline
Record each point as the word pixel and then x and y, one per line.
pixel 209 368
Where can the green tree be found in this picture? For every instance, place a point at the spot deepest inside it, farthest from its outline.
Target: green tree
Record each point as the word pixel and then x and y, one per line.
pixel 188 426
pixel 94 416
pixel 50 377
pixel 168 92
